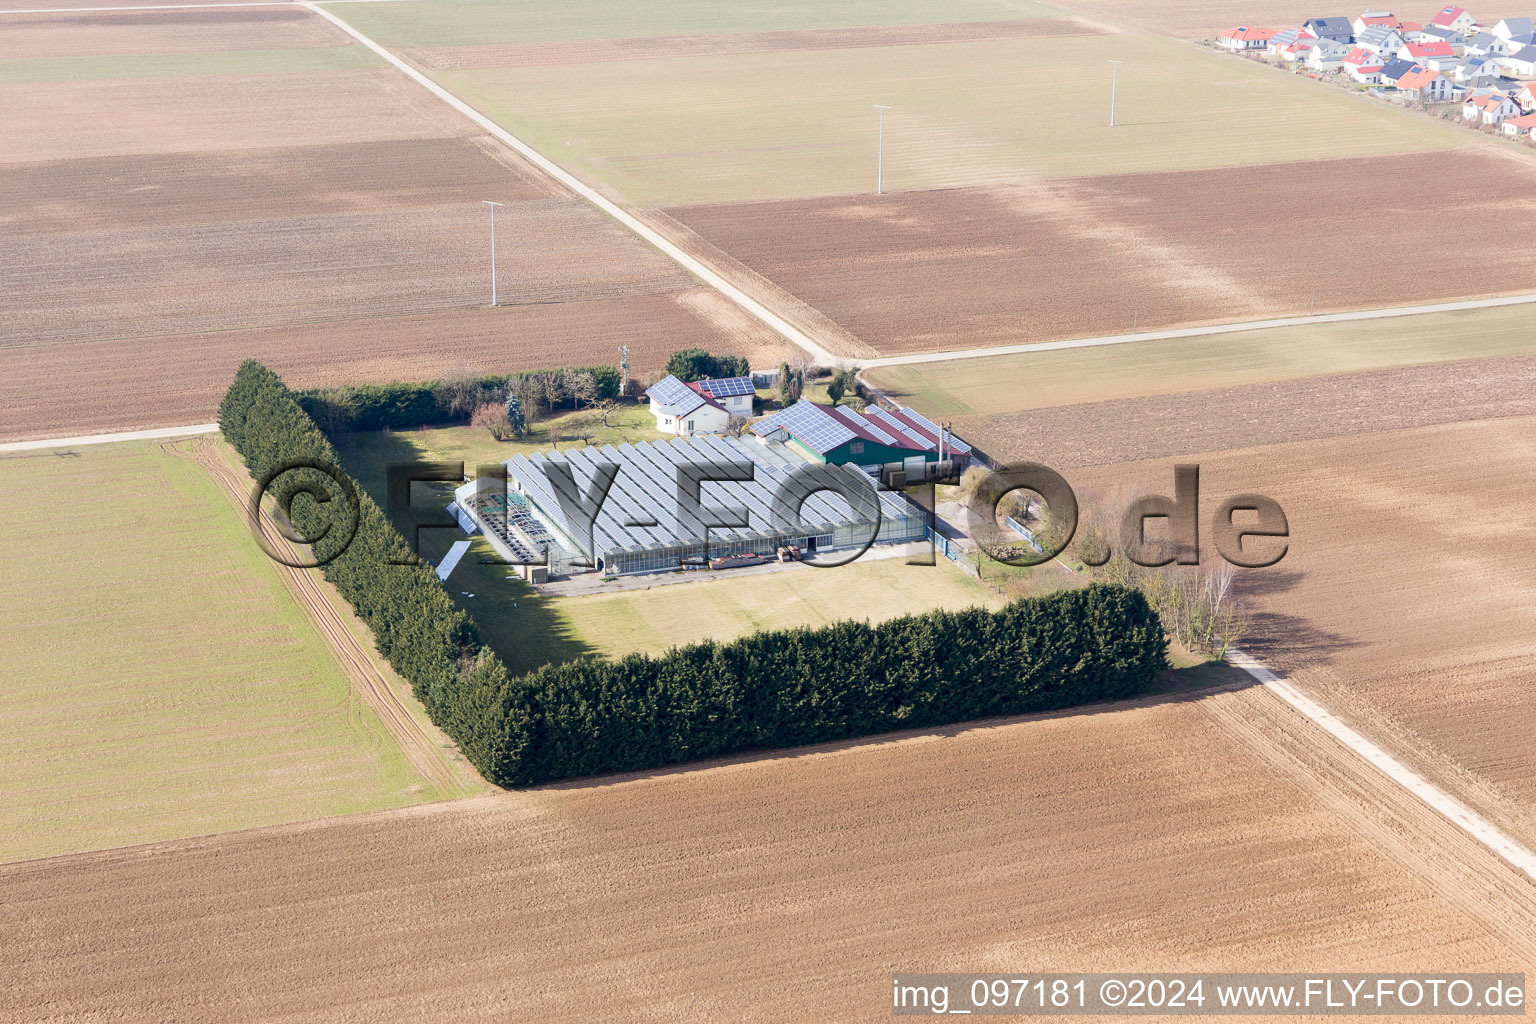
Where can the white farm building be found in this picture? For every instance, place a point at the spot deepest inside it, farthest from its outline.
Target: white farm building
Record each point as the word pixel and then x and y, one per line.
pixel 702 407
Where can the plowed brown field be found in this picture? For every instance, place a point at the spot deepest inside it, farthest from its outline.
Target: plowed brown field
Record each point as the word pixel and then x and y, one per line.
pixel 590 51
pixel 784 889
pixel 68 388
pixel 1312 408
pixel 168 31
pixel 140 116
pixel 1407 601
pixel 919 271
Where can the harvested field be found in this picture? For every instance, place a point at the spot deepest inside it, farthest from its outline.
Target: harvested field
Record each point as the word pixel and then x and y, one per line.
pixel 1407 601
pixel 783 125
pixel 292 270
pixel 111 194
pixel 157 679
pixel 1202 19
pixel 150 382
pixel 961 268
pixel 142 116
pixel 106 33
pixel 592 51
pixel 1003 844
pixel 470 22
pixel 188 65
pixel 1037 380
pixel 1311 408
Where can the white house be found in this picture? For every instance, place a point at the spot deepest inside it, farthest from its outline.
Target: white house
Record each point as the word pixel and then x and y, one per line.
pixel 1457 19
pixel 1509 28
pixel 1374 19
pixel 1490 108
pixel 695 408
pixel 1521 64
pixel 1327 55
pixel 1245 37
pixel 1483 44
pixel 1525 125
pixel 1474 72
pixel 1424 84
pixel 1383 40
pixel 1526 97
pixel 1423 53
pixel 1339 30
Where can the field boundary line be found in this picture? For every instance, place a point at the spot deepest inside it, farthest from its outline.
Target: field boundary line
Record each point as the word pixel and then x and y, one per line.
pixel 177 7
pixel 1383 313
pixel 1437 799
pixel 157 434
pixel 648 234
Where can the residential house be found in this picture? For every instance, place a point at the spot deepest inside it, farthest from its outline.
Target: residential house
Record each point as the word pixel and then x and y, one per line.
pixel 1423 53
pixel 1509 28
pixel 1363 66
pixel 1449 35
pixel 1383 41
pixel 1245 37
pixel 1474 72
pixel 1490 108
pixel 1424 84
pixel 1519 65
pixel 1373 19
pixel 1394 69
pixel 702 407
pixel 1483 44
pixel 1525 125
pixel 1526 96
pixel 1327 55
pixel 1456 19
pixel 1337 29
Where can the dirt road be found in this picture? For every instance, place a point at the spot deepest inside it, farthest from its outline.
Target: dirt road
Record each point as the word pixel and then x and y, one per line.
pixel 424 745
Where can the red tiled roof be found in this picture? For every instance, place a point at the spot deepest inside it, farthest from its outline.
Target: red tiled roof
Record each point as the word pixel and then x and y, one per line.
pixel 1250 34
pixel 1418 78
pixel 1438 48
pixel 1523 121
pixel 1387 21
pixel 1359 55
pixel 1447 15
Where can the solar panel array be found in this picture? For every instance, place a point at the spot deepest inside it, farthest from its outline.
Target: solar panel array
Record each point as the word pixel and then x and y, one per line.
pixel 909 437
pixel 951 442
pixel 810 424
pixel 863 423
pixel 645 491
pixel 672 392
pixel 726 387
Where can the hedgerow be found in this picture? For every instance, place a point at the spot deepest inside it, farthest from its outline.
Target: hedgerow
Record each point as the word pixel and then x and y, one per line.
pixel 767 690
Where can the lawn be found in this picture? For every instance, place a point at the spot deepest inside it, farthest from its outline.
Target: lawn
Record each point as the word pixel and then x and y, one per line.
pixel 158 680
pixel 1066 377
pixel 176 65
pixel 470 22
pixel 760 126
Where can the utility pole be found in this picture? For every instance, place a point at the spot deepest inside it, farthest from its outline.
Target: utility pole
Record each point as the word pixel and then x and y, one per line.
pixel 1114 80
pixel 880 153
pixel 493 206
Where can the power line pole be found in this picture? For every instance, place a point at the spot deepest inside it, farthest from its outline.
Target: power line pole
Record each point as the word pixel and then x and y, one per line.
pixel 493 206
pixel 1114 80
pixel 880 153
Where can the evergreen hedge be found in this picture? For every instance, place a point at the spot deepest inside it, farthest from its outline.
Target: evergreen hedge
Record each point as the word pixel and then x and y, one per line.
pixel 768 690
pixel 401 406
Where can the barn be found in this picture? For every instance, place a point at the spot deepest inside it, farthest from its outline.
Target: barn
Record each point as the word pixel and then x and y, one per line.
pixel 876 437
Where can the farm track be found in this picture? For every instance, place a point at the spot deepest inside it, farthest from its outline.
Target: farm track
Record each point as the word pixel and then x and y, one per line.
pixel 421 744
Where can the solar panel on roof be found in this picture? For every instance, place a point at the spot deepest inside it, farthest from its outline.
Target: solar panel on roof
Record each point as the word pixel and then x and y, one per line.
pixel 673 392
pixel 814 426
pixel 951 442
pixel 865 423
pixel 726 387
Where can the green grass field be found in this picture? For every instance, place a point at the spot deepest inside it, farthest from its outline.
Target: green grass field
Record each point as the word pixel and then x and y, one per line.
pixel 158 680
pixel 760 126
pixel 1066 377
pixel 177 65
pixel 470 22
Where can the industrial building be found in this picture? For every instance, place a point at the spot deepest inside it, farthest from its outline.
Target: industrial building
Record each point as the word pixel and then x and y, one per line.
pixel 651 520
pixel 873 438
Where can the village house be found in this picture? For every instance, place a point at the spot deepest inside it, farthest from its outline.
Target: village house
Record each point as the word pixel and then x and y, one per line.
pixel 1245 37
pixel 700 407
pixel 1327 55
pixel 1424 84
pixel 1394 69
pixel 1525 125
pixel 1431 34
pixel 1474 72
pixel 1511 33
pixel 1526 96
pixel 1383 41
pixel 1455 19
pixel 1490 108
pixel 1339 30
pixel 1373 19
pixel 1483 44
pixel 1423 53
pixel 1519 65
